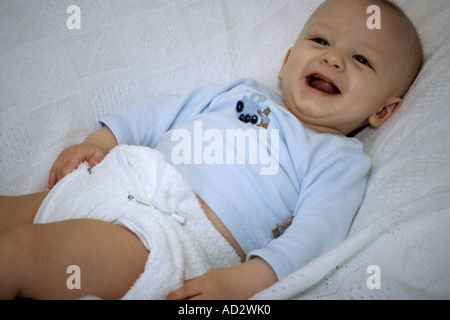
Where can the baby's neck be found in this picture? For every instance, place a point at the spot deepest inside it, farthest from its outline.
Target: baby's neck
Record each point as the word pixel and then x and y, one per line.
pixel 313 127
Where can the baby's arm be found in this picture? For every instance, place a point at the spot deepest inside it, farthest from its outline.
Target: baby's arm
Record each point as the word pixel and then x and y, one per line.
pixel 240 282
pixel 93 149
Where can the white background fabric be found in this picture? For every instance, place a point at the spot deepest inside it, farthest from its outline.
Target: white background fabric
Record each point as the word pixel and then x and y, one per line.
pixel 55 83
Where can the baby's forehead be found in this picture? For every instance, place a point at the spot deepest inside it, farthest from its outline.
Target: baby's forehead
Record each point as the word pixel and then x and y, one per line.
pixel 384 26
pixel 368 14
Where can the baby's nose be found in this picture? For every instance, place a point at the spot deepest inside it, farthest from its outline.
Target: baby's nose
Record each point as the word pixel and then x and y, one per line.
pixel 334 60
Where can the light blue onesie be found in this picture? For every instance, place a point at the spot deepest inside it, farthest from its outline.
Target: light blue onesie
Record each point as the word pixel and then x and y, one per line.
pixel 255 166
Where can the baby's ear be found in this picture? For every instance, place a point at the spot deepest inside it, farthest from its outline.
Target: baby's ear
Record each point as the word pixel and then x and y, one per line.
pixel 385 112
pixel 280 74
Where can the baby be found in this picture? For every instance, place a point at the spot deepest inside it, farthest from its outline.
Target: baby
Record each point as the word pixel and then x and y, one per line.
pixel 253 226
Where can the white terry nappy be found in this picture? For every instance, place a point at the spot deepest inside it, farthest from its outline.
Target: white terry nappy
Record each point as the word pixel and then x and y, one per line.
pixel 136 188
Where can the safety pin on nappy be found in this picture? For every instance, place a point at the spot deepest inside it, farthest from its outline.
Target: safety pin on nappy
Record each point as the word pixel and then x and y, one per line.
pixel 180 219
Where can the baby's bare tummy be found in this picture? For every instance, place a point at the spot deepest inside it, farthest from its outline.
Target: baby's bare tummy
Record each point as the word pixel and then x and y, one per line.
pixel 221 228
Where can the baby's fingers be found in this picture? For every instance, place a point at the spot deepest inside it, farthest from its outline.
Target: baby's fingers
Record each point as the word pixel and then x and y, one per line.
pixel 59 170
pixel 52 177
pixel 95 159
pixel 188 291
pixel 55 172
pixel 66 162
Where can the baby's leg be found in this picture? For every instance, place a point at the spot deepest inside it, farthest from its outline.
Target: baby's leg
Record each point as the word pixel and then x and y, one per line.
pixel 35 259
pixel 19 209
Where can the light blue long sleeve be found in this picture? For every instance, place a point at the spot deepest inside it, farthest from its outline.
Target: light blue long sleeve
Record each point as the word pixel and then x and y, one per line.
pixel 319 178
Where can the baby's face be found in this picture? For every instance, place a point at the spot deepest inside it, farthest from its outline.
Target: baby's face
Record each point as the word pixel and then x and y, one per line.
pixel 340 75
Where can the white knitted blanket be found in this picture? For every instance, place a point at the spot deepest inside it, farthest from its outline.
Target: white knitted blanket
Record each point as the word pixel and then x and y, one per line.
pixel 57 80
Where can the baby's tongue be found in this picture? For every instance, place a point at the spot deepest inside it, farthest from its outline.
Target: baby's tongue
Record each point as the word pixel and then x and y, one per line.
pixel 322 85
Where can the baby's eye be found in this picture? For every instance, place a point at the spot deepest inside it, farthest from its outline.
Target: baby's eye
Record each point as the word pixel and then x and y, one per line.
pixel 321 41
pixel 362 60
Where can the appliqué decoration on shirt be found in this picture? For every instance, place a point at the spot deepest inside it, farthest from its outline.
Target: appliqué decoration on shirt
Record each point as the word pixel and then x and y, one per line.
pixel 251 110
pixel 279 229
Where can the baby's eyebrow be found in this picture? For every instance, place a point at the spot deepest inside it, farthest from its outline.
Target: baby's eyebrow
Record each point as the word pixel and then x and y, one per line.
pixel 370 46
pixel 321 25
pixel 375 51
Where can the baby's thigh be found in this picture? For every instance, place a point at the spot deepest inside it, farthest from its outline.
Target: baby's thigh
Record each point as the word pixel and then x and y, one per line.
pixel 76 258
pixel 19 209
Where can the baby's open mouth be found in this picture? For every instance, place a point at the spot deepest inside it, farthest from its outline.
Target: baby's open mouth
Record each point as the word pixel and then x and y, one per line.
pixel 326 86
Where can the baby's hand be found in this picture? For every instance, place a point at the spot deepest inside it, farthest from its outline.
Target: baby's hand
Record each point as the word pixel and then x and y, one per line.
pixel 216 284
pixel 94 148
pixel 69 159
pixel 240 282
